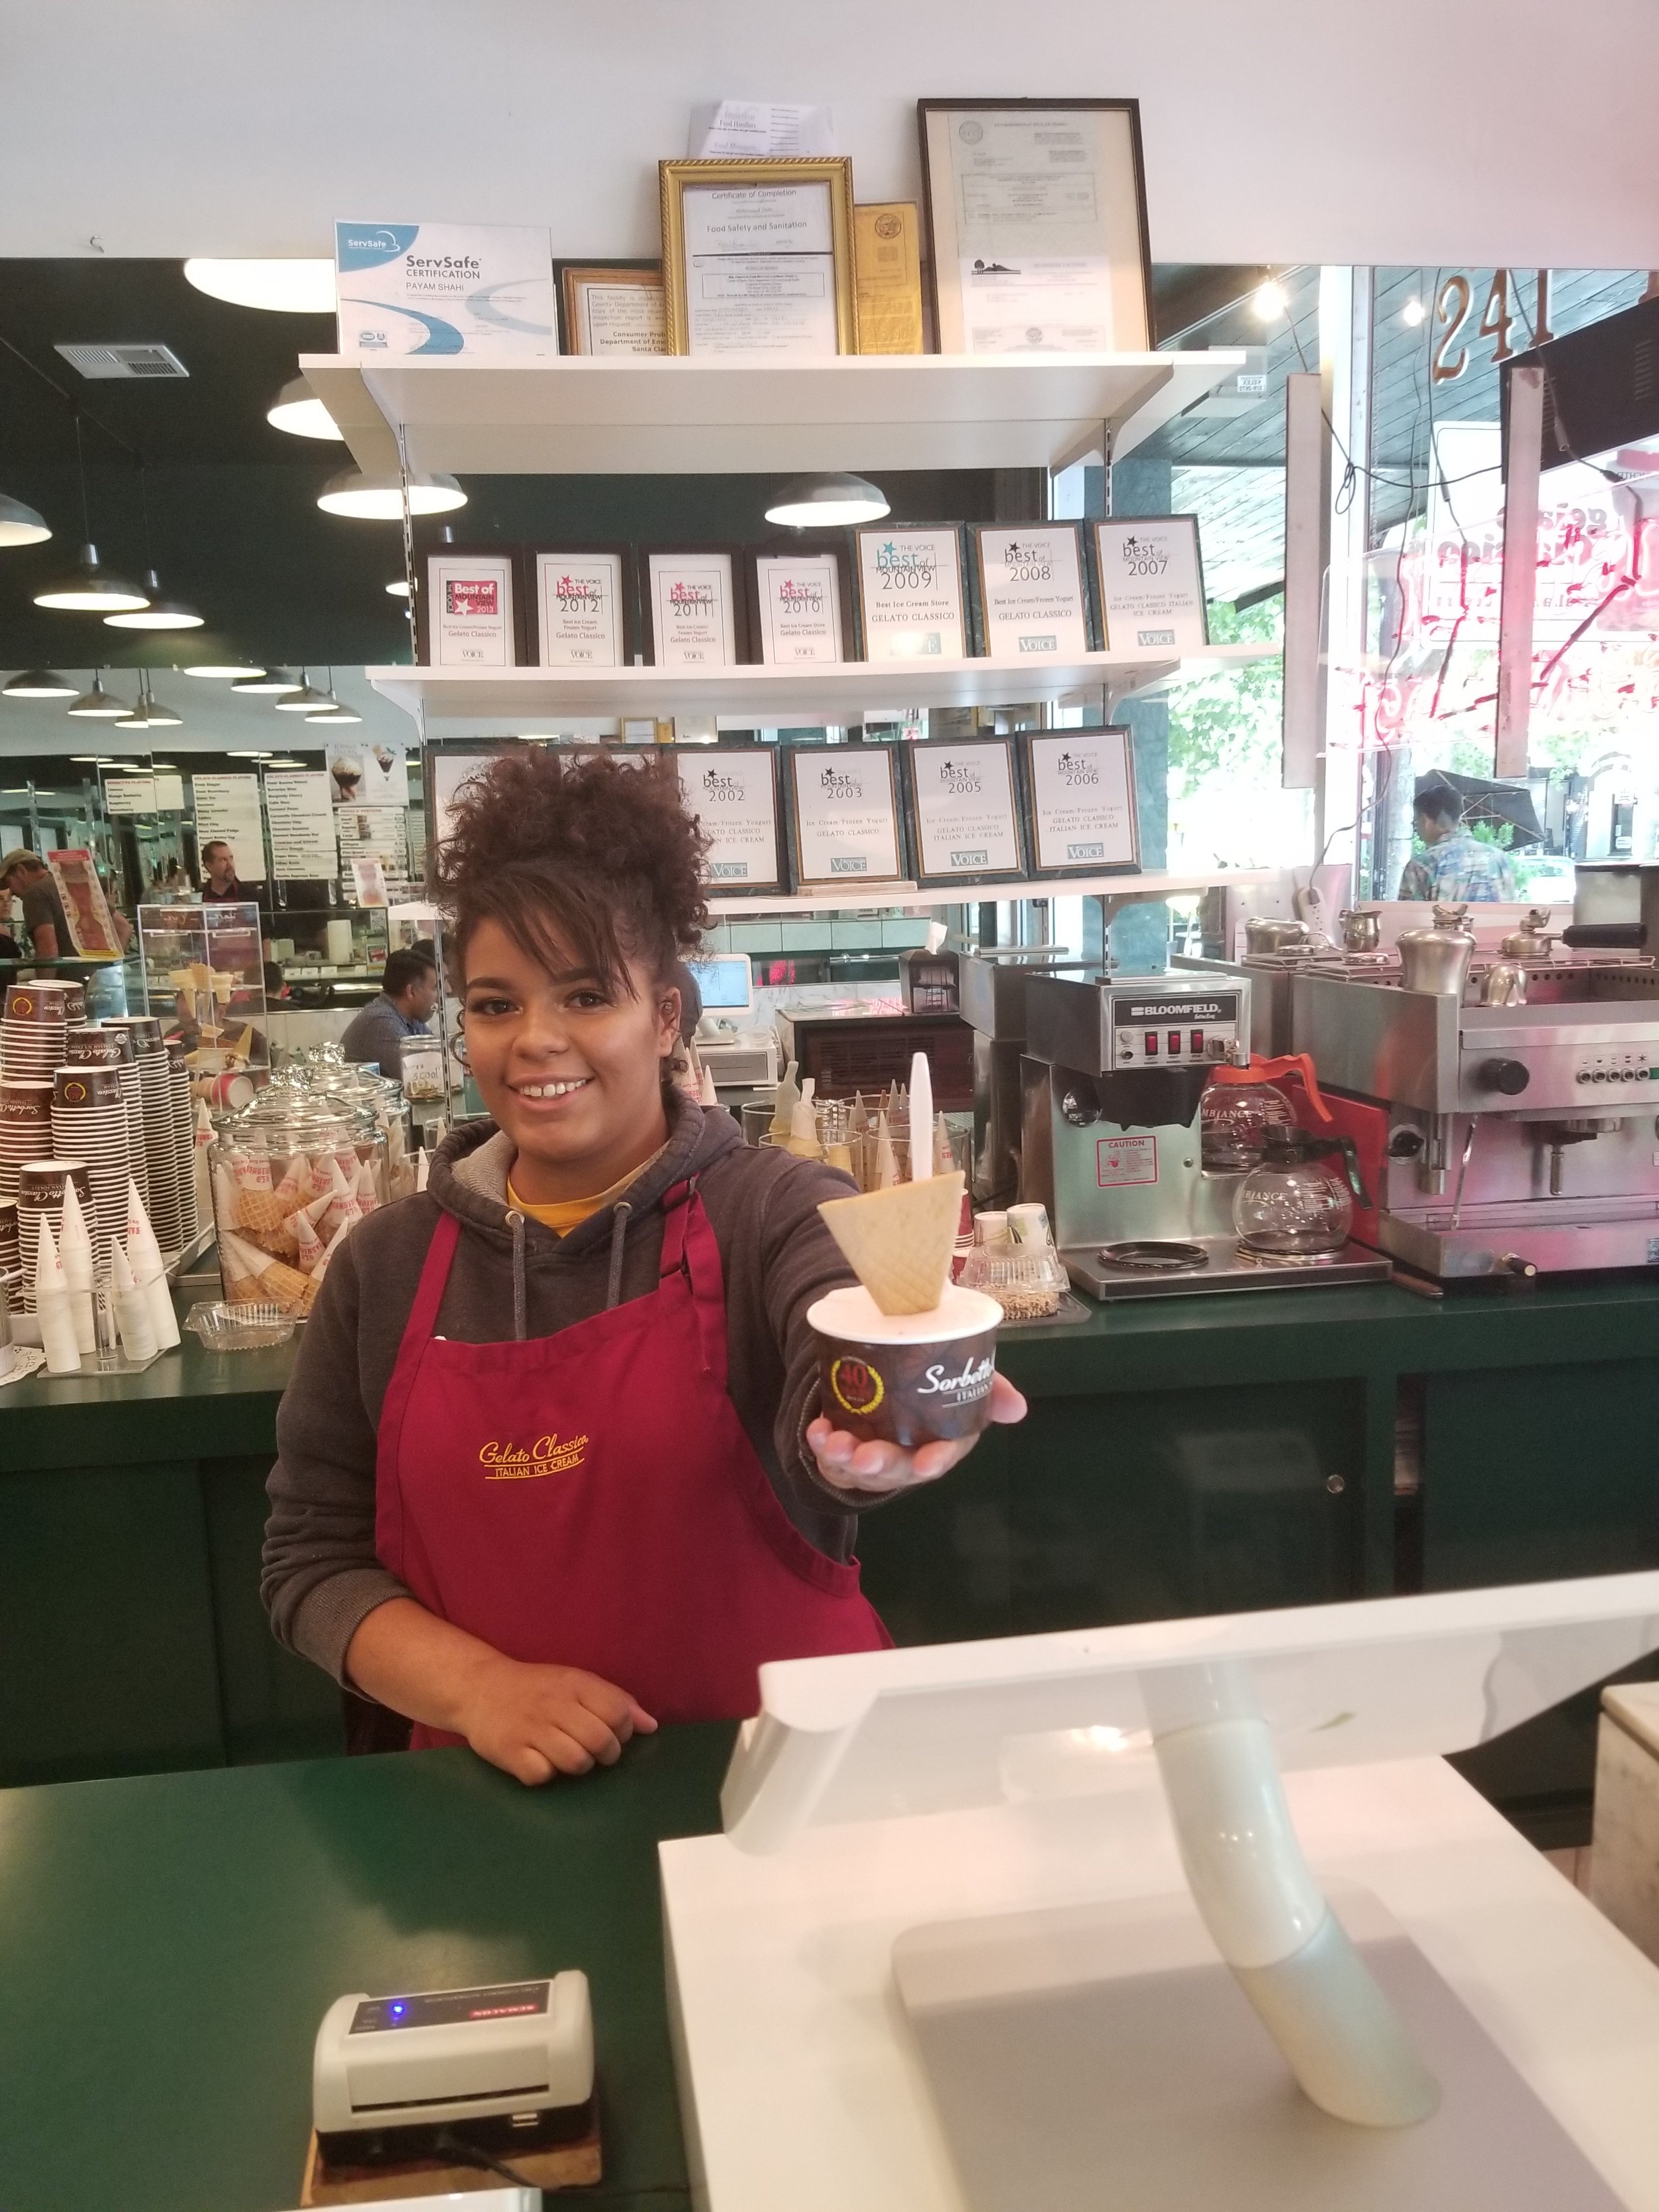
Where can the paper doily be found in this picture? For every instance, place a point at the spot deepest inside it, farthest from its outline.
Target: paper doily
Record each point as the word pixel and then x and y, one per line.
pixel 29 1356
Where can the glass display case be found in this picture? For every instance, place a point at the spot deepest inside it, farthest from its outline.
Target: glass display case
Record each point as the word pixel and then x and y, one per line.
pixel 203 978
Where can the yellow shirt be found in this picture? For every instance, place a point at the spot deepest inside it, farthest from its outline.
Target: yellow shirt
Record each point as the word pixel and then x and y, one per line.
pixel 570 1213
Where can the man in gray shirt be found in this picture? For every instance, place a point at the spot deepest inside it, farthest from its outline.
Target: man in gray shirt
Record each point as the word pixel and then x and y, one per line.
pixel 408 997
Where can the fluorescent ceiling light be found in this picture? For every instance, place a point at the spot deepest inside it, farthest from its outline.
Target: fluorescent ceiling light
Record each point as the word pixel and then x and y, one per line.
pixel 284 287
pixel 161 613
pixel 20 525
pixel 39 684
pixel 273 683
pixel 377 495
pixel 89 587
pixel 96 705
pixel 297 410
pixel 827 502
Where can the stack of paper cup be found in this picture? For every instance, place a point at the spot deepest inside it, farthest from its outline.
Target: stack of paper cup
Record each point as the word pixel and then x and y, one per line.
pixel 93 1044
pixel 40 1197
pixel 32 1028
pixel 90 1123
pixel 151 1057
pixel 25 1126
pixel 9 1257
pixel 183 1122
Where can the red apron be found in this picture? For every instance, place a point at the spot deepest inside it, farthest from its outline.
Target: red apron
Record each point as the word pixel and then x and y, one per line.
pixel 591 1498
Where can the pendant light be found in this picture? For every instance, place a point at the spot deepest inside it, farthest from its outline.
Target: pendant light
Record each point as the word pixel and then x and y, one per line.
pixel 285 286
pixel 149 714
pixel 377 494
pixel 20 525
pixel 89 587
pixel 161 613
pixel 96 705
pixel 222 670
pixel 827 502
pixel 330 710
pixel 39 684
pixel 297 410
pixel 269 683
pixel 305 700
pixel 399 587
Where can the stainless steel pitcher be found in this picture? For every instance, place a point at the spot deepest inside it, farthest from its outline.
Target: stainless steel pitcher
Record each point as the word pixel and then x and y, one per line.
pixel 1437 959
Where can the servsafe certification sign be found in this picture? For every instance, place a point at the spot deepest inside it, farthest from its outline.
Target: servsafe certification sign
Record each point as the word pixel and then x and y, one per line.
pixel 1032 593
pixel 1083 813
pixel 846 818
pixel 734 796
pixel 964 810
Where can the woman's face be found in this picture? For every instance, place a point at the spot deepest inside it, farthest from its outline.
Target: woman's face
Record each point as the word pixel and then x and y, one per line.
pixel 571 1072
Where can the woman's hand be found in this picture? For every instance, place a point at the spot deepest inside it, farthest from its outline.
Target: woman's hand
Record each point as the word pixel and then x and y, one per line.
pixel 537 1721
pixel 850 1464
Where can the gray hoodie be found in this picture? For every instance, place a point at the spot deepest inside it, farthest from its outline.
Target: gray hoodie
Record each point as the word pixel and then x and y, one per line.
pixel 513 1279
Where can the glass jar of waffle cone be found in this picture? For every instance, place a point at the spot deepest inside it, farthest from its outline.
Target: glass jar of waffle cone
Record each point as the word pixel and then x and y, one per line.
pixel 291 1174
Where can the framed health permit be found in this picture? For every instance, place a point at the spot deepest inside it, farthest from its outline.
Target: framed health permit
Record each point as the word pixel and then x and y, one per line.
pixel 693 614
pixel 800 604
pixel 963 810
pixel 732 792
pixel 844 809
pixel 1149 572
pixel 582 602
pixel 1033 601
pixel 1082 801
pixel 757 256
pixel 466 615
pixel 1037 221
pixel 611 307
pixel 912 591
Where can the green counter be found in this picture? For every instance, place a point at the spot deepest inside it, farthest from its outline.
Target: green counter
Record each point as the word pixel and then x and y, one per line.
pixel 169 1944
pixel 1182 1456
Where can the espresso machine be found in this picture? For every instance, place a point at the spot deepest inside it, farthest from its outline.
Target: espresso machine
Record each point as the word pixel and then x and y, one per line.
pixel 1111 1081
pixel 991 985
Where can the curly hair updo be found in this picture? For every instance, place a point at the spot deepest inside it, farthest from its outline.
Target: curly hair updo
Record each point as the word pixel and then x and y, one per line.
pixel 594 861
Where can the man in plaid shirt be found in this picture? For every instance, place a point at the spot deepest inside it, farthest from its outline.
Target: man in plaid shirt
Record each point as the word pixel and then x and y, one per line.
pixel 1457 866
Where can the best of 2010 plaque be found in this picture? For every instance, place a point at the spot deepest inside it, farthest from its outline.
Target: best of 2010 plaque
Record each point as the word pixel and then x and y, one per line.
pixel 1083 801
pixel 963 818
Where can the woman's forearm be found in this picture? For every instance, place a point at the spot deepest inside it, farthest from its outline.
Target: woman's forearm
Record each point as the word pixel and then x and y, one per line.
pixel 405 1657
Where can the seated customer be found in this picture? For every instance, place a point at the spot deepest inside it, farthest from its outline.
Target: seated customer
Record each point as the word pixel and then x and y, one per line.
pixel 407 996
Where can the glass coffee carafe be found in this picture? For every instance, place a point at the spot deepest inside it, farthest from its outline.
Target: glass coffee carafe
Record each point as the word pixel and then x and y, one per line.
pixel 1241 1105
pixel 1291 1210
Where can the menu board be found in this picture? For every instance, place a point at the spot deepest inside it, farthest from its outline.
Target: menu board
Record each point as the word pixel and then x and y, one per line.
pixel 1152 584
pixel 845 815
pixel 579 618
pixel 1082 805
pixel 1030 591
pixel 691 598
pixel 228 807
pixel 300 811
pixel 470 617
pixel 910 594
pixel 733 794
pixel 962 814
pixel 379 833
pixel 797 609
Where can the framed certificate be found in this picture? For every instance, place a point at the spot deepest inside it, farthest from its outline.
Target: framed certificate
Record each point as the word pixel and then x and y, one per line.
pixel 693 616
pixel 911 592
pixel 467 615
pixel 611 307
pixel 732 792
pixel 1032 598
pixel 964 814
pixel 757 256
pixel 1149 572
pixel 1082 801
pixel 582 603
pixel 1037 218
pixel 844 802
pixel 799 603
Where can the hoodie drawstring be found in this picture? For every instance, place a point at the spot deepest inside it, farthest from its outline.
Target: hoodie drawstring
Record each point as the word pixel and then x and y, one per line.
pixel 618 1232
pixel 515 1221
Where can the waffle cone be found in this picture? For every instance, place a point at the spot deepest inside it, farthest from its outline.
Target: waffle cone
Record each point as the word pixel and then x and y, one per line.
pixel 283 1242
pixel 287 1286
pixel 898 1242
pixel 308 1296
pixel 259 1209
pixel 243 1290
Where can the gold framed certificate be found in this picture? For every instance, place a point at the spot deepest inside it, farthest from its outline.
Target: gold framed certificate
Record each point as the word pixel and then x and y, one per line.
pixel 1032 601
pixel 911 594
pixel 612 308
pixel 757 257
pixel 1037 221
pixel 844 805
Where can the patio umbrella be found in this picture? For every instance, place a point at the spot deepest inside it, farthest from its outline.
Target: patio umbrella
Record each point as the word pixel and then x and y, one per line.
pixel 1496 805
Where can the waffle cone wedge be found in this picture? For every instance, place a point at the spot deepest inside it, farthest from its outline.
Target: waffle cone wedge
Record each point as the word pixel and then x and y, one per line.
pixel 285 1285
pixel 898 1242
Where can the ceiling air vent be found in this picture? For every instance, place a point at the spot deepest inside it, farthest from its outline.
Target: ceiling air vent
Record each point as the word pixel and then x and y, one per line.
pixel 127 361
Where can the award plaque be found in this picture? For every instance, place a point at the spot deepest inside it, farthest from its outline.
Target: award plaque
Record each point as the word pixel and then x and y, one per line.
pixel 1149 574
pixel 797 604
pixel 468 613
pixel 757 256
pixel 911 595
pixel 611 308
pixel 1082 801
pixel 732 792
pixel 845 805
pixel 1031 598
pixel 691 609
pixel 582 598
pixel 964 817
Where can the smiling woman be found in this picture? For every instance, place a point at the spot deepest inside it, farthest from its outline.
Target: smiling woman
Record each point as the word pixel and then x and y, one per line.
pixel 552 1466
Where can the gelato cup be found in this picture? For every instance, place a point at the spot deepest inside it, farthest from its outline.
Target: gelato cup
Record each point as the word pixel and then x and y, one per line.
pixel 905 1379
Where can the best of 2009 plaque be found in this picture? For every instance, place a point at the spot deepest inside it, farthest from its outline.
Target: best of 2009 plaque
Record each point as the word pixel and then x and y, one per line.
pixel 1083 801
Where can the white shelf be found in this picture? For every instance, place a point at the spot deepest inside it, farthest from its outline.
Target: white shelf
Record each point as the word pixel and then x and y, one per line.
pixel 672 416
pixel 1126 887
pixel 764 698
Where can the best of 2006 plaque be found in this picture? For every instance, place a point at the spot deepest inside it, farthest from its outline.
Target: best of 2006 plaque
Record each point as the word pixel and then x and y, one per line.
pixel 1083 801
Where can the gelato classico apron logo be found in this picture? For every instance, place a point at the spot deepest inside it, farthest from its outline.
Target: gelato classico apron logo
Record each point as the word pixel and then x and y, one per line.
pixel 509 1462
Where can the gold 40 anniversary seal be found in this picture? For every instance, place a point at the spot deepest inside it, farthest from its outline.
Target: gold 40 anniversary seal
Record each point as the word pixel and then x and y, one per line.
pixel 857 1385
